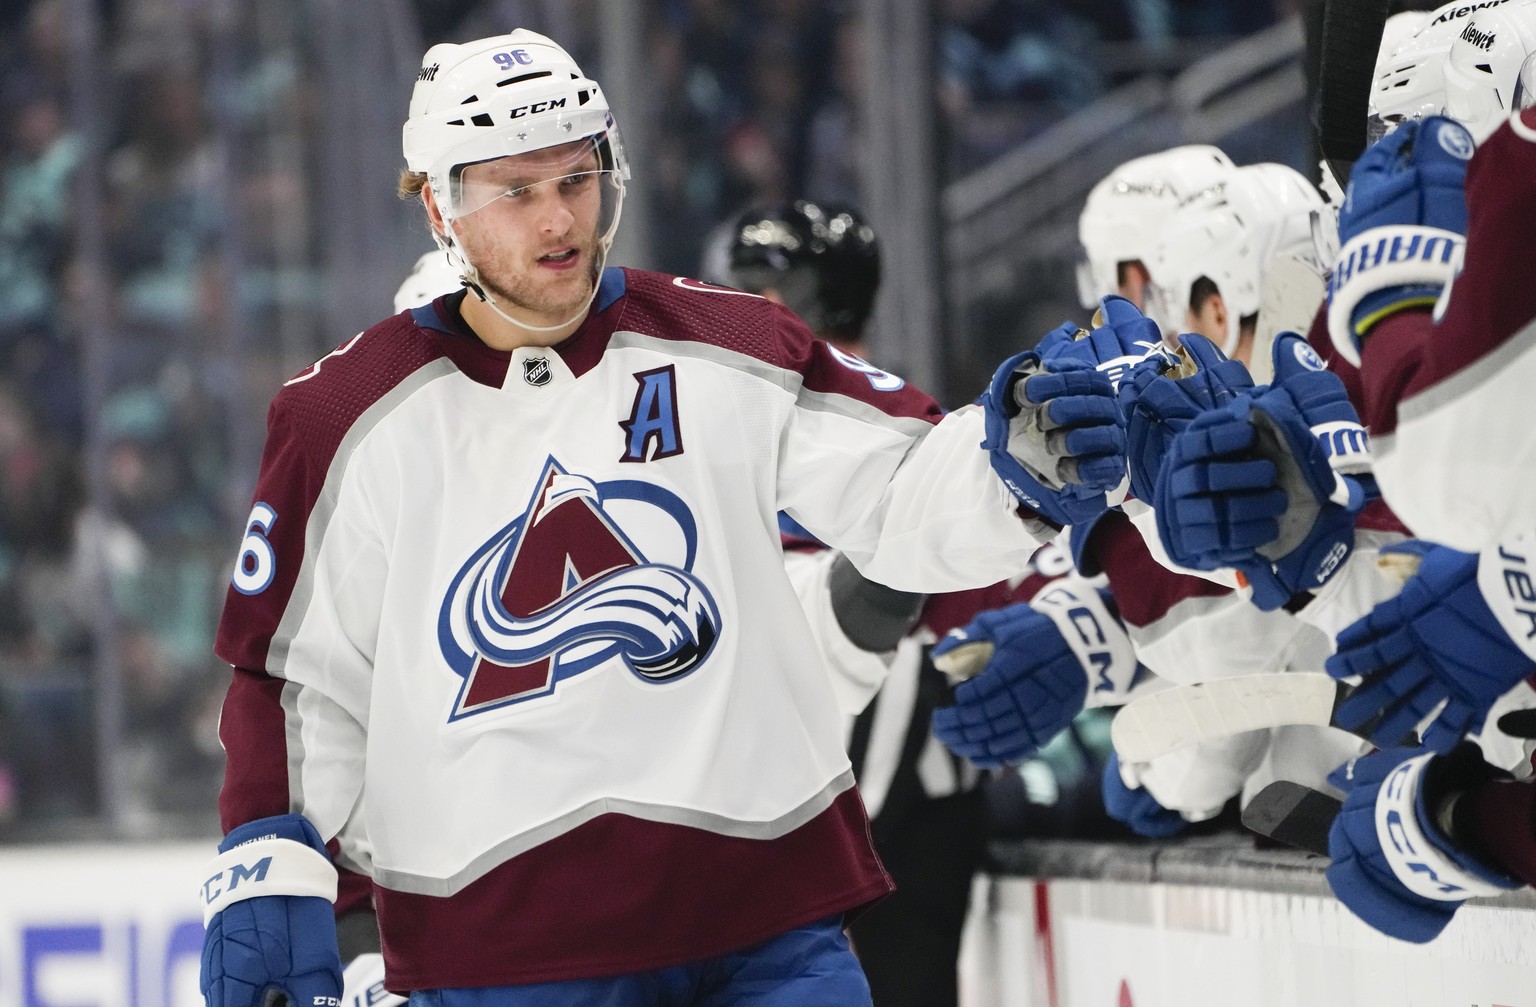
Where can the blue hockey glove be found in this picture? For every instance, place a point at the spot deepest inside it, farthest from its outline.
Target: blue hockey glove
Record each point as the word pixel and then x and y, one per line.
pixel 1324 403
pixel 1133 807
pixel 1040 665
pixel 1053 435
pixel 1402 227
pixel 1161 396
pixel 271 929
pixel 1437 641
pixel 1121 338
pixel 1393 864
pixel 1248 486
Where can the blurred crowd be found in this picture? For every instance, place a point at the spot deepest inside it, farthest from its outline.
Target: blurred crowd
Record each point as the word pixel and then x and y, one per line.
pixel 137 343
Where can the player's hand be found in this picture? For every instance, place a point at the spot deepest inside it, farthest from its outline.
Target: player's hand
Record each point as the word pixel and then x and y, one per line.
pixel 1127 802
pixel 1120 338
pixel 1053 435
pixel 1163 393
pixel 1041 664
pixel 1324 403
pixel 271 929
pixel 1249 486
pixel 1438 641
pixel 1393 865
pixel 1402 227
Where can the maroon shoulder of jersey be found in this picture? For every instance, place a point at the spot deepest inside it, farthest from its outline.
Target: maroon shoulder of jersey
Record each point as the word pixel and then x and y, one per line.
pixel 678 308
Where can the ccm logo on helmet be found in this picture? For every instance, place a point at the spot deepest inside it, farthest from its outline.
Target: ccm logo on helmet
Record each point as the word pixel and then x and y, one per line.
pixel 536 107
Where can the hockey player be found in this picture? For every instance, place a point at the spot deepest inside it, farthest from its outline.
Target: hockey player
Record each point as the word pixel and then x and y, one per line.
pixel 510 626
pixel 1434 385
pixel 1457 637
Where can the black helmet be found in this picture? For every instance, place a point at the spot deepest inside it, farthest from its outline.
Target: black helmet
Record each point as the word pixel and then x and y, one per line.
pixel 822 259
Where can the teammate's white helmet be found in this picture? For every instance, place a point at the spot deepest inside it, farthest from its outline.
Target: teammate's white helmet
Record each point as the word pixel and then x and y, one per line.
pixel 1125 211
pixel 1409 80
pixel 1489 67
pixel 1229 235
pixel 432 276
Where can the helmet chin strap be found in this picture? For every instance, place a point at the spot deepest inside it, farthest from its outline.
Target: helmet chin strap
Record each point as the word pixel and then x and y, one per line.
pixel 470 277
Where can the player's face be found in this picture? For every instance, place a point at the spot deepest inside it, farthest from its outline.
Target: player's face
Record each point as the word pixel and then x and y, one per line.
pixel 533 231
pixel 1133 277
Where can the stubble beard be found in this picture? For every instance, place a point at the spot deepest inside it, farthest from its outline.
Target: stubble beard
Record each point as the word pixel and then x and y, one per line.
pixel 525 293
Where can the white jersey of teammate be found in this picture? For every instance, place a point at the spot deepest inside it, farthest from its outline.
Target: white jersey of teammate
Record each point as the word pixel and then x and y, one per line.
pixel 572 728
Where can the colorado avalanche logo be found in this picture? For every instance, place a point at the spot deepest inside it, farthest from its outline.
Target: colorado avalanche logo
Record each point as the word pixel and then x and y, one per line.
pixel 562 589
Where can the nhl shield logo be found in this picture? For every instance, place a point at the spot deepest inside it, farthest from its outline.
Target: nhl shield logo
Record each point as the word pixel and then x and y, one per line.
pixel 536 371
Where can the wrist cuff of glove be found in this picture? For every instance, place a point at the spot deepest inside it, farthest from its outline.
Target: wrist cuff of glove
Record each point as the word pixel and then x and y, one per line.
pixel 1424 861
pixel 1096 637
pixel 1506 576
pixel 281 855
pixel 1417 261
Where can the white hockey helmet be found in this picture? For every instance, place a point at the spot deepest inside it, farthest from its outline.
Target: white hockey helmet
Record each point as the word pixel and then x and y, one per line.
pixel 1229 235
pixel 1408 82
pixel 1124 214
pixel 433 275
pixel 496 97
pixel 1489 68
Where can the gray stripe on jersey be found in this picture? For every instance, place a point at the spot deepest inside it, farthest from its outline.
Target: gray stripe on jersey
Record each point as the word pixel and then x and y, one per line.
pixel 791 381
pixel 1458 384
pixel 499 854
pixel 325 506
pixel 293 733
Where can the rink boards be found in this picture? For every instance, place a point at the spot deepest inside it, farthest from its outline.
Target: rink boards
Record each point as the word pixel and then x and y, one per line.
pixel 1171 926
pixel 1224 926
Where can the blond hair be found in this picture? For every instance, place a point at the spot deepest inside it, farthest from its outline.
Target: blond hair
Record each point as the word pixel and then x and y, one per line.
pixel 411 183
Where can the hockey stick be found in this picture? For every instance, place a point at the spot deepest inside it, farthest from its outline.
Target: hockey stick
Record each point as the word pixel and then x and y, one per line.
pixel 1351 36
pixel 1164 721
pixel 1292 814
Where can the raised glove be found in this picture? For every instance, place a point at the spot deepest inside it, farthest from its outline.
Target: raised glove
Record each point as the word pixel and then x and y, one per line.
pixel 271 929
pixel 1402 227
pixel 1249 486
pixel 1053 435
pixel 1324 403
pixel 1120 339
pixel 1127 802
pixel 1458 633
pixel 1394 864
pixel 1163 393
pixel 1043 663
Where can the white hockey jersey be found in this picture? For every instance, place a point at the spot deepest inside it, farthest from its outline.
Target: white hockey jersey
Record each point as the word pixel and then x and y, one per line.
pixel 516 627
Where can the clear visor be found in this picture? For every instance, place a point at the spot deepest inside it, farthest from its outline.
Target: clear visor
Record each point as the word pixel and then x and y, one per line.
pixel 575 172
pixel 1378 126
pixel 1525 85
